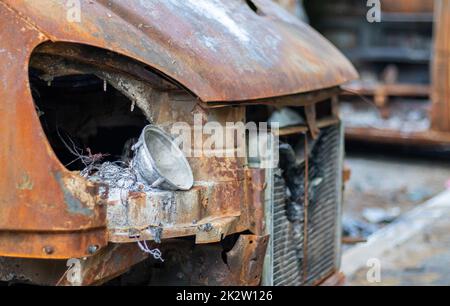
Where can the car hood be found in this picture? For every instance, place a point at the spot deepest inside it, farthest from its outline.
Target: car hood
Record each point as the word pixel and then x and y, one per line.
pixel 219 50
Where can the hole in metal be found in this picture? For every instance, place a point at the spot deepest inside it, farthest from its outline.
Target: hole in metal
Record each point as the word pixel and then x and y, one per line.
pixel 252 6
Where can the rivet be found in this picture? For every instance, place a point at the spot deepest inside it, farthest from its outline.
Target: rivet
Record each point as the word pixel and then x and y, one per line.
pixel 49 250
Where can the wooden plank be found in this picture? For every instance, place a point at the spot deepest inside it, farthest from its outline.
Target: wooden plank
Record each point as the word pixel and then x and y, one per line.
pixel 440 114
pixel 397 233
pixel 393 90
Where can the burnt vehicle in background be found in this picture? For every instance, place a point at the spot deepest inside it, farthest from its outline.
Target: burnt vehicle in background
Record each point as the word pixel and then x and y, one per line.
pixel 403 62
pixel 76 95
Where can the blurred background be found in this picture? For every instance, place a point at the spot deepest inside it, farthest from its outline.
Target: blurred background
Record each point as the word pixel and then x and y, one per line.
pixel 397 119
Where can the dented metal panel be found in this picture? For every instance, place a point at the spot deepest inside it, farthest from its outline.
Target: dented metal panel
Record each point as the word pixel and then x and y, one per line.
pixel 220 50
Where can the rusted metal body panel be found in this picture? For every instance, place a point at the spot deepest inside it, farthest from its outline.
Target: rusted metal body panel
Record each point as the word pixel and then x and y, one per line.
pixel 36 193
pixel 220 50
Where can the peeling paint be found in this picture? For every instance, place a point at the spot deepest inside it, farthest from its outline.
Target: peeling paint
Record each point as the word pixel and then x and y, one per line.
pixel 72 189
pixel 26 183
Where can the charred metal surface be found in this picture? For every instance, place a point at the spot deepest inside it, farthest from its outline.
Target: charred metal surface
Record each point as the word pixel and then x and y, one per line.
pixel 189 264
pixel 272 55
pixel 31 271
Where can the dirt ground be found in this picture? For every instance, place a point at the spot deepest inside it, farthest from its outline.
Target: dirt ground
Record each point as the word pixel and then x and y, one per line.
pixel 392 181
pixel 405 182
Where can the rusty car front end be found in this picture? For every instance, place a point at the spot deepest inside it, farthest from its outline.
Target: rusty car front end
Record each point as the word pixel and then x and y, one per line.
pixel 75 92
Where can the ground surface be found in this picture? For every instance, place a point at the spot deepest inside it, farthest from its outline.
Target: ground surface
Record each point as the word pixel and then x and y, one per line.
pixel 392 181
pixel 404 182
pixel 423 260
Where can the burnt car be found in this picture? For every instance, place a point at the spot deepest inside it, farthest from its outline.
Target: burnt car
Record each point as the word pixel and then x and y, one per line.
pixel 80 205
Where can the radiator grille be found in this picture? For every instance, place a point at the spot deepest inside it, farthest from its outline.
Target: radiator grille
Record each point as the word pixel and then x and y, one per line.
pixel 322 252
pixel 287 241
